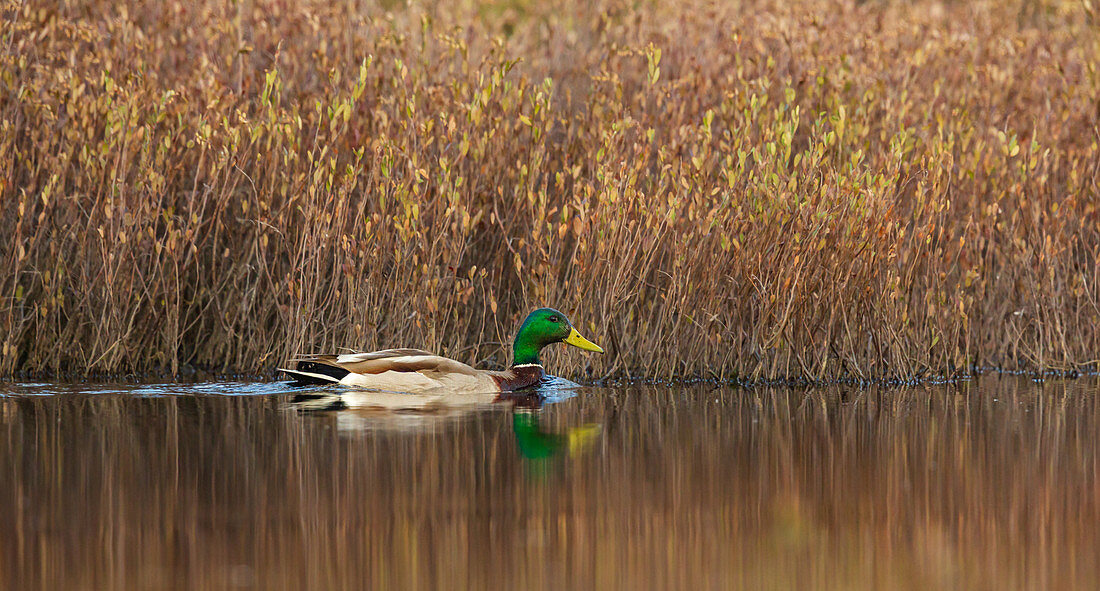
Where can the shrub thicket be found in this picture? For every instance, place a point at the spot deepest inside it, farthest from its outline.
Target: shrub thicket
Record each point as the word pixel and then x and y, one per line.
pixel 757 189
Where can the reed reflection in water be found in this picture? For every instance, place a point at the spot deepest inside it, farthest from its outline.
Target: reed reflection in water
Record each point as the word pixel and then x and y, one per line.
pixel 991 484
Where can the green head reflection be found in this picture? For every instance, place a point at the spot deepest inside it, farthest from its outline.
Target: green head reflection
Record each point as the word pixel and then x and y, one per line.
pixel 535 443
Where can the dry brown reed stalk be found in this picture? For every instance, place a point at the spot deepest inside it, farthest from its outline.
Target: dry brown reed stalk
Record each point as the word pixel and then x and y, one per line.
pixel 761 190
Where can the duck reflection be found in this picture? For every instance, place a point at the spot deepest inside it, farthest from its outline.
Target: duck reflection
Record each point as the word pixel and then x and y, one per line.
pixel 357 412
pixel 536 443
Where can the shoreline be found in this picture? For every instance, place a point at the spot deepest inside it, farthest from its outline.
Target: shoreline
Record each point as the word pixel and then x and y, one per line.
pixel 200 376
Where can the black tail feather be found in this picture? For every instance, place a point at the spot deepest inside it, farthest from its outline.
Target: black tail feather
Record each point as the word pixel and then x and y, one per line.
pixel 311 373
pixel 337 373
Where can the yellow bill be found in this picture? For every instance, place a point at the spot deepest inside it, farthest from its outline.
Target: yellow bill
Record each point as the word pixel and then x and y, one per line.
pixel 580 342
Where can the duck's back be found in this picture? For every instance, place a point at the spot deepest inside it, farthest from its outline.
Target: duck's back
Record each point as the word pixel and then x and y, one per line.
pixel 396 370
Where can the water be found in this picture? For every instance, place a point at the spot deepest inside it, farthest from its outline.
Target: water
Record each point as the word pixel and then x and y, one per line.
pixel 989 484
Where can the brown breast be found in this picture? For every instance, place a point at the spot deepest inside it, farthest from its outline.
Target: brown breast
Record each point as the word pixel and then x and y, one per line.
pixel 519 377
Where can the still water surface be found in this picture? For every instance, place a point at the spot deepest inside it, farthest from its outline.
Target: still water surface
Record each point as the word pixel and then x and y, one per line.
pixel 990 484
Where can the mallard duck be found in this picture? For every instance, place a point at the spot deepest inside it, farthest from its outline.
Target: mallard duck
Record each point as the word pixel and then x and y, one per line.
pixel 421 372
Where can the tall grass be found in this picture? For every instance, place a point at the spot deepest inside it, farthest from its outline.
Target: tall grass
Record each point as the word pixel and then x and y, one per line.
pixel 753 189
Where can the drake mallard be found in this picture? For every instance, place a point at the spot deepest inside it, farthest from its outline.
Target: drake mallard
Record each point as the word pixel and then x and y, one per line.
pixel 421 372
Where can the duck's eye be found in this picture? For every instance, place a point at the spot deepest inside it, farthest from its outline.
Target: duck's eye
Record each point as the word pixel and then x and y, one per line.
pixel 554 319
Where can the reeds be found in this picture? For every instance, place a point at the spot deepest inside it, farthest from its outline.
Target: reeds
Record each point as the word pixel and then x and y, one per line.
pixel 759 190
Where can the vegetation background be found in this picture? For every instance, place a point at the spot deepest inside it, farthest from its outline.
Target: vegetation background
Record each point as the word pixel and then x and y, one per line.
pixel 746 189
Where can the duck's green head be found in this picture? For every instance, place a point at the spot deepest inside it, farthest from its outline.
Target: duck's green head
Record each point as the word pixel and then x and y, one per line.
pixel 543 327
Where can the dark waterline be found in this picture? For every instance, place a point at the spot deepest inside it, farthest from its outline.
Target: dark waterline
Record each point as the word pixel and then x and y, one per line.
pixel 986 484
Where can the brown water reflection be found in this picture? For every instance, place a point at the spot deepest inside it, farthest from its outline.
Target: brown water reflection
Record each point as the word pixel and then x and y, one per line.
pixel 983 485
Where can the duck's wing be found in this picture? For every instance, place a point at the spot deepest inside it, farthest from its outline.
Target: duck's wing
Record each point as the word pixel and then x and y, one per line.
pixel 396 360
